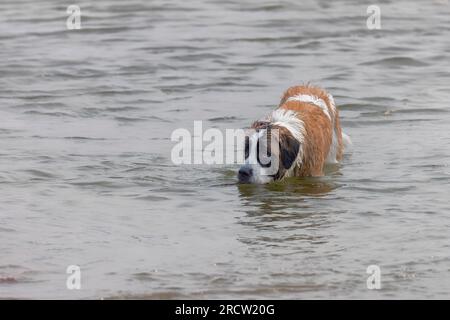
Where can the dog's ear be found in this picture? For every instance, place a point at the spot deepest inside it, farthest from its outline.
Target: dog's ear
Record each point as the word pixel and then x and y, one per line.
pixel 260 124
pixel 289 148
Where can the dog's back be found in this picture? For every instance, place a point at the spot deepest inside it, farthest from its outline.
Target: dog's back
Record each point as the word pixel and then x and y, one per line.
pixel 323 140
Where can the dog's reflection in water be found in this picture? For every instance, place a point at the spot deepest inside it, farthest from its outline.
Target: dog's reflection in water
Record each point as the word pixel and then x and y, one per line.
pixel 285 213
pixel 294 188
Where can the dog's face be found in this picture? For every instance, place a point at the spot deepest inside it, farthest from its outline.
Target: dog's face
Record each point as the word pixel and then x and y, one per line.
pixel 270 153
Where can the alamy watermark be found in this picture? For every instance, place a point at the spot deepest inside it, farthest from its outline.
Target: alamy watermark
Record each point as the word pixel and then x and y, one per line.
pixel 220 149
pixel 233 146
pixel 374 280
pixel 73 281
pixel 74 19
pixel 373 22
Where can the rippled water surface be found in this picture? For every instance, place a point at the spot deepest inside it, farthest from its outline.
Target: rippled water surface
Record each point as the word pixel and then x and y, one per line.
pixel 86 177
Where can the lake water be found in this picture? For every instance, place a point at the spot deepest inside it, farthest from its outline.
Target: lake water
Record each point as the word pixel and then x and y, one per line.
pixel 86 176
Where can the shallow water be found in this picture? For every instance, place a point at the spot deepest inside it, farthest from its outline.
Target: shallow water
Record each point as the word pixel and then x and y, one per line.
pixel 86 177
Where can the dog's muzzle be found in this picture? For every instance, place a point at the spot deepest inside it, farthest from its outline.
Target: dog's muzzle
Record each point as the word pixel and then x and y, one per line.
pixel 245 173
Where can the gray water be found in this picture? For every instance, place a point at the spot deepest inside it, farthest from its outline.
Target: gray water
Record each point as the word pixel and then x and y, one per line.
pixel 86 176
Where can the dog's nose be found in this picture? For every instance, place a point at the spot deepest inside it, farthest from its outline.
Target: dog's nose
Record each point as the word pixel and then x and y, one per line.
pixel 245 173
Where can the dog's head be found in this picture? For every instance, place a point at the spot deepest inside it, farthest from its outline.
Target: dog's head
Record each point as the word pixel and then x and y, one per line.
pixel 271 152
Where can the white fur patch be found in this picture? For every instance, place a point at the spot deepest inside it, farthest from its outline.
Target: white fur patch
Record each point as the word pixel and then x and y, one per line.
pixel 312 99
pixel 289 120
pixel 346 140
pixel 260 174
pixel 332 153
pixel 332 104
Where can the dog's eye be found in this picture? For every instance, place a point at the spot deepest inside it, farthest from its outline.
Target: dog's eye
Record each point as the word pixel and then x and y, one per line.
pixel 247 143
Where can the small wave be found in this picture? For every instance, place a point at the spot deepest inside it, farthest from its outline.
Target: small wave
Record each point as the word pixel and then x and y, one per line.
pixel 136 119
pixel 151 198
pixel 197 57
pixel 8 280
pixel 40 173
pixel 396 62
pixel 163 295
pixel 97 183
pixel 83 138
pixel 50 114
pixel 224 119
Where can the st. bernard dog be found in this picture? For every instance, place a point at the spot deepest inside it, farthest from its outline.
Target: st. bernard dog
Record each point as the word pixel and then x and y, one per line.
pixel 297 139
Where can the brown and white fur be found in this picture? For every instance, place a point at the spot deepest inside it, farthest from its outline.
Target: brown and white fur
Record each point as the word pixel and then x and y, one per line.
pixel 308 135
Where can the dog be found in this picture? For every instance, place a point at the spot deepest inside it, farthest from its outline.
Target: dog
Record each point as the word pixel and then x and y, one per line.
pixel 299 137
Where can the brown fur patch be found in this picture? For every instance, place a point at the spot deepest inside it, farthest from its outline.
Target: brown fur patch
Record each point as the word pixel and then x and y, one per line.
pixel 318 127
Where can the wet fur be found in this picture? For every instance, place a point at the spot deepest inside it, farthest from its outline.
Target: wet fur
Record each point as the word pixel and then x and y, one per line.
pixel 310 133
